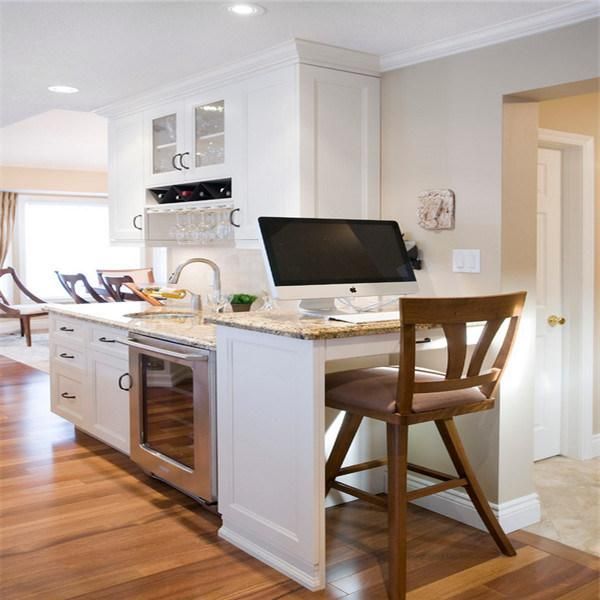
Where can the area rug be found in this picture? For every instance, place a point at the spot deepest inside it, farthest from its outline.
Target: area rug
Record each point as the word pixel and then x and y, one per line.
pixel 37 356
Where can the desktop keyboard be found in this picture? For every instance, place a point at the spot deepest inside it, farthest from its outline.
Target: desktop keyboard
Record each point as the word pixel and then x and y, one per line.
pixel 368 317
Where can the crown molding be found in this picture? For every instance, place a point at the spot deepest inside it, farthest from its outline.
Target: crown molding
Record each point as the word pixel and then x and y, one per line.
pixel 295 51
pixel 547 20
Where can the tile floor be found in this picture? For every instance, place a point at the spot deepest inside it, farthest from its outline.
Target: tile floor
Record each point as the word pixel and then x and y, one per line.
pixel 570 496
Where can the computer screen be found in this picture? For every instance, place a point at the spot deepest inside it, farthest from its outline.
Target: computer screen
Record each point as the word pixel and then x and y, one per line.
pixel 325 258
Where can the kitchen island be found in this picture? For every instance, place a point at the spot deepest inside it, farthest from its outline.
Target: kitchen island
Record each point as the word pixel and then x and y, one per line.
pixel 271 416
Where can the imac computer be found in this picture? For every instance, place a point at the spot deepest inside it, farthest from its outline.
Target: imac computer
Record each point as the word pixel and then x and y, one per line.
pixel 318 260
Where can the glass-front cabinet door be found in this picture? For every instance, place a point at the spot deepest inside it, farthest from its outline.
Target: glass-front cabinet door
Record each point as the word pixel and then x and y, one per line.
pixel 209 134
pixel 165 141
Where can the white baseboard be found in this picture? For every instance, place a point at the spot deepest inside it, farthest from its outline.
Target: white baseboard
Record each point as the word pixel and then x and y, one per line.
pixel 595 449
pixel 456 504
pixel 279 564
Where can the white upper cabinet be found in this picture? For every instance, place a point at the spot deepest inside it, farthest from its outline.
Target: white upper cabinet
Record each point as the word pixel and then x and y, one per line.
pixel 126 192
pixel 296 129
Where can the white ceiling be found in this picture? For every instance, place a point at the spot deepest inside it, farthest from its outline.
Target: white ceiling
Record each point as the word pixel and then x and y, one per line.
pixel 56 139
pixel 112 50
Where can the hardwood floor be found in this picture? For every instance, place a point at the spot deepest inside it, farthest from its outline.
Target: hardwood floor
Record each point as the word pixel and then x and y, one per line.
pixel 79 520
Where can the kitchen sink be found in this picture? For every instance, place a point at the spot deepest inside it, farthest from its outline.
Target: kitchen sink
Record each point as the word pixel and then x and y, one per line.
pixel 157 316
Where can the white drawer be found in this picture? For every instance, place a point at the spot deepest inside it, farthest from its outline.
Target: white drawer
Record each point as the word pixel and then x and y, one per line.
pixel 67 398
pixel 71 331
pixel 105 339
pixel 67 355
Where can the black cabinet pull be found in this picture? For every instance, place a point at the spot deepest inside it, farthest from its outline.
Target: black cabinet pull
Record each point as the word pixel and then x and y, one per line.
pixel 183 165
pixel 423 341
pixel 231 217
pixel 106 340
pixel 135 223
pixel 67 329
pixel 67 396
pixel 125 389
pixel 173 162
pixel 65 355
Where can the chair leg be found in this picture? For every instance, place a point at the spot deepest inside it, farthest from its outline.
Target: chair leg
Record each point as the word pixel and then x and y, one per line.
pixel 452 441
pixel 340 448
pixel 22 327
pixel 397 443
pixel 27 327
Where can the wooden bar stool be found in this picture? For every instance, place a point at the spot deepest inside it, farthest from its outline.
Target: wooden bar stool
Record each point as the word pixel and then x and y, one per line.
pixel 404 396
pixel 69 283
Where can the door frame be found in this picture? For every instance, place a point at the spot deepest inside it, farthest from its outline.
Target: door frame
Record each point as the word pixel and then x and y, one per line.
pixel 578 350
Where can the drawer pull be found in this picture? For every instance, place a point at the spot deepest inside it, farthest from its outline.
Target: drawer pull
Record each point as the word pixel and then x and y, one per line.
pixel 63 328
pixel 423 341
pixel 130 385
pixel 65 355
pixel 106 340
pixel 68 396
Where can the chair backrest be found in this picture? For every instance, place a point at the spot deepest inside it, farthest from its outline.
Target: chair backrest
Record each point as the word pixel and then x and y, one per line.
pixel 141 275
pixel 452 315
pixel 11 272
pixel 113 286
pixel 69 282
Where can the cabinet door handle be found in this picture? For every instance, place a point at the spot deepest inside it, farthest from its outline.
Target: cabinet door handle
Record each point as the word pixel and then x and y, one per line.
pixel 183 165
pixel 125 389
pixel 425 340
pixel 67 329
pixel 135 223
pixel 65 355
pixel 105 339
pixel 231 217
pixel 173 162
pixel 68 396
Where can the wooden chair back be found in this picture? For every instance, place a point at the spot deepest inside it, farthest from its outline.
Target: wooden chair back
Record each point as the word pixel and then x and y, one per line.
pixel 141 275
pixel 114 286
pixel 453 315
pixel 69 283
pixel 4 304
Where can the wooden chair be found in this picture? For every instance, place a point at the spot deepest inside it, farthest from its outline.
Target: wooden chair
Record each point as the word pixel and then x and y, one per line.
pixel 23 312
pixel 114 286
pixel 69 282
pixel 404 396
pixel 141 275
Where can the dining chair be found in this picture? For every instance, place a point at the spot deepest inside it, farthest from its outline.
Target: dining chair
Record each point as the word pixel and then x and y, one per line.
pixel 69 283
pixel 23 312
pixel 114 286
pixel 140 276
pixel 406 395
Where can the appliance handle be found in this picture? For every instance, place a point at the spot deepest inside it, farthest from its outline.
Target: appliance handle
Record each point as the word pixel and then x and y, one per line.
pixel 162 351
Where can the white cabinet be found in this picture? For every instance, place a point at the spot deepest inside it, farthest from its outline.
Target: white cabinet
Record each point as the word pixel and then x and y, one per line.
pixel 90 389
pixel 126 193
pixel 108 405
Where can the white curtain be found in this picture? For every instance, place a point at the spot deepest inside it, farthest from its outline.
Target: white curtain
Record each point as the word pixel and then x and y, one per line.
pixel 8 209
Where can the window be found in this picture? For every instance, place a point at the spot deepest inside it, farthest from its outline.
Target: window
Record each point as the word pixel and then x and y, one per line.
pixel 70 235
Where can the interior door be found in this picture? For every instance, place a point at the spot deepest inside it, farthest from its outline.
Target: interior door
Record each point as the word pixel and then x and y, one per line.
pixel 548 380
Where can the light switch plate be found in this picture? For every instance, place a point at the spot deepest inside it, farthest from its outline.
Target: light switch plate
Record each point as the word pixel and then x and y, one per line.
pixel 466 261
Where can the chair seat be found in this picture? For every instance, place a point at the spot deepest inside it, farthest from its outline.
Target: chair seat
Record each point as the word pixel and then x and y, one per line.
pixel 30 309
pixel 375 389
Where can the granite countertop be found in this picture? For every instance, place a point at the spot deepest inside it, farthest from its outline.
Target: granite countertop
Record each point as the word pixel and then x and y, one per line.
pixel 300 326
pixel 193 331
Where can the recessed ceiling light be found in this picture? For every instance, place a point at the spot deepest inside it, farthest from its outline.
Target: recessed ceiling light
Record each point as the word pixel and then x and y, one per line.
pixel 63 89
pixel 246 10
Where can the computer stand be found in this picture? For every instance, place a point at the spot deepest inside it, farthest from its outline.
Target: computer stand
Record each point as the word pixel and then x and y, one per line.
pixel 318 307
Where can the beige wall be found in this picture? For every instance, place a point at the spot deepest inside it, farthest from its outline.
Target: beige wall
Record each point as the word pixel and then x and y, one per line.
pixel 442 127
pixel 581 114
pixel 25 178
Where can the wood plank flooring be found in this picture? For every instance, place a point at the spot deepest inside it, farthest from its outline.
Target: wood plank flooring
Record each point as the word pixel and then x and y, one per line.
pixel 79 520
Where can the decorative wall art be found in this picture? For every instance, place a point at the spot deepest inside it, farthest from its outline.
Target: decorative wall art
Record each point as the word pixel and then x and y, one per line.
pixel 436 209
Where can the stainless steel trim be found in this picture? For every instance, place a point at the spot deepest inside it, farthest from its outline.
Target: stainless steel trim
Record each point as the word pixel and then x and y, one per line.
pixel 158 350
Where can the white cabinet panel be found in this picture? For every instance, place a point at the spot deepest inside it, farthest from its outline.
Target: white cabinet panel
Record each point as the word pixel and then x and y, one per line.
pixel 339 144
pixel 126 193
pixel 108 407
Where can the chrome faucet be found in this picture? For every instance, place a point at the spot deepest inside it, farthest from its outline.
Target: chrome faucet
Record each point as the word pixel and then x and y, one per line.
pixel 196 298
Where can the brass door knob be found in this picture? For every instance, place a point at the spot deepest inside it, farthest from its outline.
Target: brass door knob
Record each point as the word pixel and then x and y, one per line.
pixel 554 320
